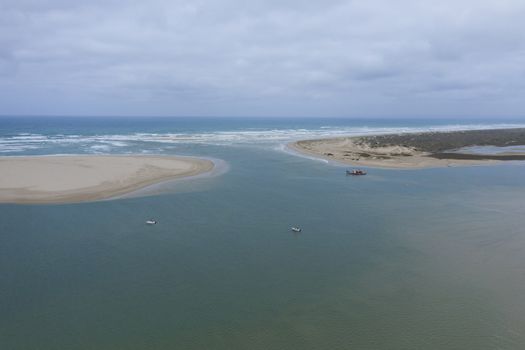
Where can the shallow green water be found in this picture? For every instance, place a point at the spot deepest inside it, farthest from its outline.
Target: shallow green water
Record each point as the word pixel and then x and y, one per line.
pixel 428 259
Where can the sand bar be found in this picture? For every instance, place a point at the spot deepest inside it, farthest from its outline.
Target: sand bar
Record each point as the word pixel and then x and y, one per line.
pixel 63 179
pixel 415 150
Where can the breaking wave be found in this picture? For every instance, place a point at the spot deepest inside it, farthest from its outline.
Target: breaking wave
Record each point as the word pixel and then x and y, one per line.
pixel 106 143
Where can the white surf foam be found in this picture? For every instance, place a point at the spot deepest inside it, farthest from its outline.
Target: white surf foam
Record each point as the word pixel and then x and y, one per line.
pixel 107 142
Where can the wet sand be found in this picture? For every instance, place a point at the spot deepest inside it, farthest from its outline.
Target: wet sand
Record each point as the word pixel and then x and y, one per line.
pixel 415 150
pixel 66 179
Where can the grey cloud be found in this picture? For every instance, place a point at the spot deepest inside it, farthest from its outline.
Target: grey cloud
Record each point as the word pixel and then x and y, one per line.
pixel 261 57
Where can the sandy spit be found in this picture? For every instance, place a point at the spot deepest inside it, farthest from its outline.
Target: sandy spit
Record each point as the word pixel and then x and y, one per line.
pixel 67 179
pixel 347 151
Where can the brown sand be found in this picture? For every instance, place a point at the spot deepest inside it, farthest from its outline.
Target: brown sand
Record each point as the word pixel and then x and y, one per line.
pixel 413 151
pixel 60 179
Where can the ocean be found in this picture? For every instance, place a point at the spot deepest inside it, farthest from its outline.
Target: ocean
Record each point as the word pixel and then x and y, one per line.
pixel 398 259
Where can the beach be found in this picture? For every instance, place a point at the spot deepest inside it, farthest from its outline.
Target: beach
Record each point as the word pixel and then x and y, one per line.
pixel 415 150
pixel 67 179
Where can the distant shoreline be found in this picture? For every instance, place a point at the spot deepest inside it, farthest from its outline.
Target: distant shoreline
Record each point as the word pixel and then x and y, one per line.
pixel 415 150
pixel 72 179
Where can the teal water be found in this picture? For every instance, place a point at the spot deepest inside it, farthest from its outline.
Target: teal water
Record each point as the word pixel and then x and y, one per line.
pixel 491 149
pixel 424 259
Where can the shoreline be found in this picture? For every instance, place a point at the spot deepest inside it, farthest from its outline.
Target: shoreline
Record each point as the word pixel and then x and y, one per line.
pixel 413 150
pixel 167 186
pixel 84 178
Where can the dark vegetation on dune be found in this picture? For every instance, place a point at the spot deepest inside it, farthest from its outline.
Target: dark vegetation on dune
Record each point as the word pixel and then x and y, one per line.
pixel 438 143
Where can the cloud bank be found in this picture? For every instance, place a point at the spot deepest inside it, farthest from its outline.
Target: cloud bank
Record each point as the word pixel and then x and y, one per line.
pixel 266 58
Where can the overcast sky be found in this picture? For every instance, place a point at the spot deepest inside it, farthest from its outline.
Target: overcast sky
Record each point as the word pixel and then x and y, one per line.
pixel 263 57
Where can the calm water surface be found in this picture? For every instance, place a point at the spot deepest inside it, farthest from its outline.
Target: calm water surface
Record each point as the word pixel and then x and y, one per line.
pixel 424 259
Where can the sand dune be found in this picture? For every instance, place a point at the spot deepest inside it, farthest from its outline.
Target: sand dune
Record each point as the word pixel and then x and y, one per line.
pixel 415 150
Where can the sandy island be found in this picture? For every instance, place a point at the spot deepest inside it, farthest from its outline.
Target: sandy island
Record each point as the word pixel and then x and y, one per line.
pixel 61 179
pixel 415 150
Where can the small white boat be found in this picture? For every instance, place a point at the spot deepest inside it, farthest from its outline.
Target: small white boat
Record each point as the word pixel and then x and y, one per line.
pixel 151 222
pixel 296 229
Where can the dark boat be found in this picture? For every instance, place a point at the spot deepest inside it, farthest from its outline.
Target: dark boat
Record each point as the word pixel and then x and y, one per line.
pixel 356 172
